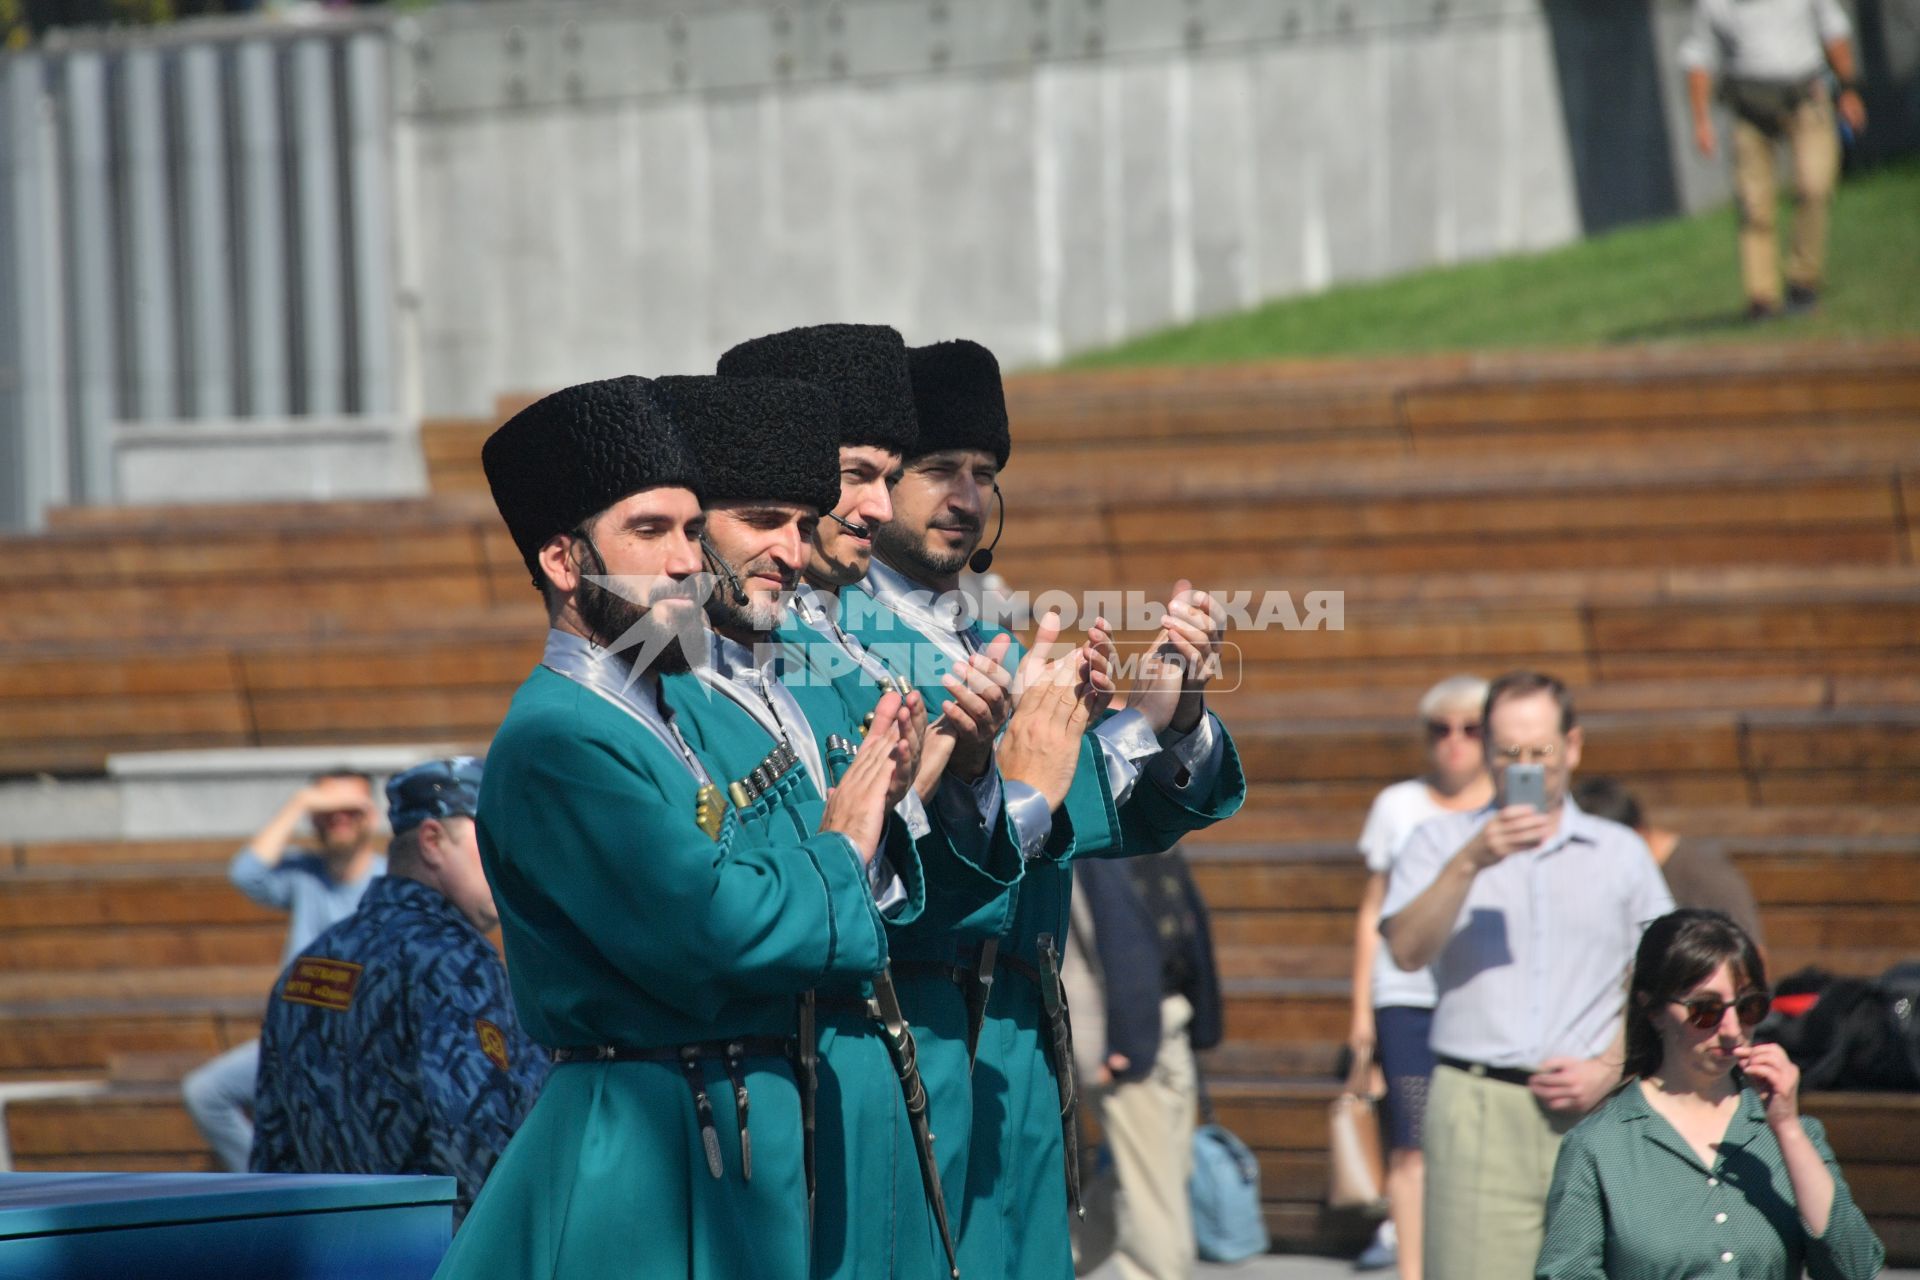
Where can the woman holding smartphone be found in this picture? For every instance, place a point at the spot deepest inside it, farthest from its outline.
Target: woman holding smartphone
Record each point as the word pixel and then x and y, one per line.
pixel 1701 1163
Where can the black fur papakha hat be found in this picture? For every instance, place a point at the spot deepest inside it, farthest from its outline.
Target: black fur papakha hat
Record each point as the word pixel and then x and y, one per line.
pixel 958 399
pixel 576 453
pixel 862 366
pixel 759 439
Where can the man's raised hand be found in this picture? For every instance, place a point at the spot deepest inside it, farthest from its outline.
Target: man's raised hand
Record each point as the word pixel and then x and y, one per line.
pixel 1171 689
pixel 913 732
pixel 1196 626
pixel 1103 660
pixel 1041 745
pixel 858 807
pixel 978 705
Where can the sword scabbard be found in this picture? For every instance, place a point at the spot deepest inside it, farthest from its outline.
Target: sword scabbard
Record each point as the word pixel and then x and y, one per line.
pixel 906 1064
pixel 807 1067
pixel 1053 999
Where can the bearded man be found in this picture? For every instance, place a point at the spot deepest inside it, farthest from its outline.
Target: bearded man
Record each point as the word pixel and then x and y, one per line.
pixel 656 951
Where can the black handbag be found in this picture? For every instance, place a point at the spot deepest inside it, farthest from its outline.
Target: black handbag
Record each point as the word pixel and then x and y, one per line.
pixel 1767 105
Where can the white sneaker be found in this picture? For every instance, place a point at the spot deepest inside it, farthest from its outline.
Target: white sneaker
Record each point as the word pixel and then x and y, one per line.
pixel 1383 1252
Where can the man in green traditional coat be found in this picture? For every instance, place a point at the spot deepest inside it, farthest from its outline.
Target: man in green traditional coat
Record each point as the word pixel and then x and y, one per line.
pixel 771 454
pixel 1148 775
pixel 655 948
pixel 969 872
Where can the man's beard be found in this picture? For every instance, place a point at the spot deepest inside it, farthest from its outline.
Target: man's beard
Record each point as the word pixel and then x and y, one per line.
pixel 730 608
pixel 334 846
pixel 612 619
pixel 839 571
pixel 907 551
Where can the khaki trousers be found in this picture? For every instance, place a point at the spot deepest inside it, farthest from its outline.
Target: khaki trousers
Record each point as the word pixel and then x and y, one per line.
pixel 1815 148
pixel 1149 1129
pixel 1490 1150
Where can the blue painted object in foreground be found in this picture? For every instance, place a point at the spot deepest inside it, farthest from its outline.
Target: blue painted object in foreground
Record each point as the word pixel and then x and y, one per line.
pixel 163 1226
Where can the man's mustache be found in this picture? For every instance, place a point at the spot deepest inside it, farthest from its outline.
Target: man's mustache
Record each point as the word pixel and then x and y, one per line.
pixel 650 589
pixel 957 524
pixel 772 569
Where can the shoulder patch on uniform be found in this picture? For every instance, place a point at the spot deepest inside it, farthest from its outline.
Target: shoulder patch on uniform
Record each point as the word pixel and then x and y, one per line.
pixel 493 1043
pixel 322 982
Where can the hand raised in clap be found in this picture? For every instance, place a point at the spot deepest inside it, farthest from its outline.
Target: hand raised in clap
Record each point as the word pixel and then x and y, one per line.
pixel 913 732
pixel 979 703
pixel 1185 658
pixel 1196 626
pixel 1041 746
pixel 858 807
pixel 1105 662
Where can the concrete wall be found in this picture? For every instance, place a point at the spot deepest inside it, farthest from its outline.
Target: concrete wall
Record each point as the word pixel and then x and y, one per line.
pixel 586 192
pixel 195 233
pixel 197 298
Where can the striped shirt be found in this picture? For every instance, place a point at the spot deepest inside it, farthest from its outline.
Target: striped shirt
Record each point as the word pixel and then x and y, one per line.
pixel 1536 966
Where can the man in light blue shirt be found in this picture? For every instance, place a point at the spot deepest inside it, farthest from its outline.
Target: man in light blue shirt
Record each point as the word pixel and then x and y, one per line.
pixel 317 889
pixel 1529 918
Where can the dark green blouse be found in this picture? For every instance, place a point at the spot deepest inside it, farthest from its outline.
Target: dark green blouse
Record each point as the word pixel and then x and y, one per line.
pixel 1631 1201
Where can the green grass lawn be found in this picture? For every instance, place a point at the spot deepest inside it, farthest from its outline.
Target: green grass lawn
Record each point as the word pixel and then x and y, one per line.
pixel 1670 281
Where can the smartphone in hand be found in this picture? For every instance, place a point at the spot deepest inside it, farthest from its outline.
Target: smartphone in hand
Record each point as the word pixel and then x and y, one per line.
pixel 1524 784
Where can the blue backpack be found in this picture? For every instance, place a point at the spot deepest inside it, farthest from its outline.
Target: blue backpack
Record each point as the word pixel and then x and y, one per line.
pixel 1228 1225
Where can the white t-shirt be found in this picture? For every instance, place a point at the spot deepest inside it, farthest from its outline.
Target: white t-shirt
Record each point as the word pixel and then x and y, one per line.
pixel 1395 813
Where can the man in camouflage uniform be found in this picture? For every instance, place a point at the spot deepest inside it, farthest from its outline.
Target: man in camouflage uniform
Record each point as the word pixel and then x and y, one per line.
pixel 391 1043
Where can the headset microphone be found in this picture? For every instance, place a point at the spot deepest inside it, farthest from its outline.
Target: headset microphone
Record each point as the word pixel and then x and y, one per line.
pixel 982 560
pixel 857 530
pixel 722 569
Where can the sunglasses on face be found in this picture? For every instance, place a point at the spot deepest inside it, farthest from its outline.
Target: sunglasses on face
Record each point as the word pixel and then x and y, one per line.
pixel 1440 730
pixel 1705 1012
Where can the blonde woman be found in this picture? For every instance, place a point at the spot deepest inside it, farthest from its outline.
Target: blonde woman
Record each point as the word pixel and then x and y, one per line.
pixel 1392 1008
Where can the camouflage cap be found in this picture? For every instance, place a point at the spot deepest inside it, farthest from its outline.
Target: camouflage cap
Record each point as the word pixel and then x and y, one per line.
pixel 447 788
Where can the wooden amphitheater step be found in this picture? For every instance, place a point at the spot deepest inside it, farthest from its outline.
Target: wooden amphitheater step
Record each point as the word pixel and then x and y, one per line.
pixel 1396 405
pixel 109 896
pixel 24 992
pixel 119 947
pixel 434 545
pixel 201 855
pixel 139 1127
pixel 1781 758
pixel 67 711
pixel 83 1036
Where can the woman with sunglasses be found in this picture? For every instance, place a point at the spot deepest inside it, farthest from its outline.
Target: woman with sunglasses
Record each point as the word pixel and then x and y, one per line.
pixel 1701 1163
pixel 1392 1011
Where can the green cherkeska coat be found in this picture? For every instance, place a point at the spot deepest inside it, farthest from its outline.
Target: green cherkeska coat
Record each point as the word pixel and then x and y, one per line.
pixel 627 923
pixel 1014 1220
pixel 871 1213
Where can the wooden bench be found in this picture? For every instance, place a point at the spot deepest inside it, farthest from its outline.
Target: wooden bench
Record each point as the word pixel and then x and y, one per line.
pixel 1291 412
pixel 81 1037
pixel 131 1129
pixel 40 855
